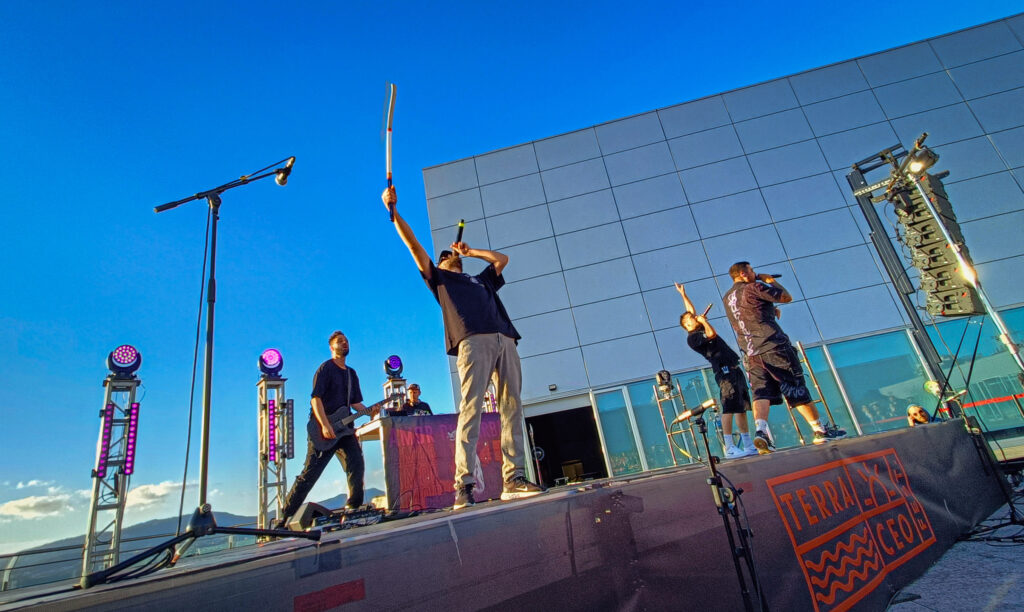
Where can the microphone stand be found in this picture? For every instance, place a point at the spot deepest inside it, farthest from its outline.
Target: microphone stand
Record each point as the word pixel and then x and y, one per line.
pixel 202 522
pixel 727 502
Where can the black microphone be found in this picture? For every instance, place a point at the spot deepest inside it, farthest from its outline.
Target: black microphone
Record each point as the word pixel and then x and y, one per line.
pixel 462 226
pixel 706 311
pixel 775 275
pixel 694 412
pixel 282 175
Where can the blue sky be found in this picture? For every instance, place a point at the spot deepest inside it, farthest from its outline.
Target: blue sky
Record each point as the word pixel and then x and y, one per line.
pixel 111 108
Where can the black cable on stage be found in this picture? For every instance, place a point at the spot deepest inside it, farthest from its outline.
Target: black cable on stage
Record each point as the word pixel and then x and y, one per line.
pixel 195 361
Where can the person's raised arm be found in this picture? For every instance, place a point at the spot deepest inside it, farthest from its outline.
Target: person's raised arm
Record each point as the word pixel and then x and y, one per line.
pixel 419 254
pixel 686 300
pixel 709 331
pixel 768 279
pixel 496 259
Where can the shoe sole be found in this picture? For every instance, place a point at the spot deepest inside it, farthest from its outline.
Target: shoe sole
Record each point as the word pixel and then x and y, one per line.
pixel 762 447
pixel 460 507
pixel 506 496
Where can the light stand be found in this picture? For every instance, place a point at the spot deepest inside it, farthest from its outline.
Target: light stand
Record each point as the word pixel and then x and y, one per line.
pixel 727 502
pixel 202 522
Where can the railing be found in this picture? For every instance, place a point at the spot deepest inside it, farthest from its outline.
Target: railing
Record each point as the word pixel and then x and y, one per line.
pixel 48 565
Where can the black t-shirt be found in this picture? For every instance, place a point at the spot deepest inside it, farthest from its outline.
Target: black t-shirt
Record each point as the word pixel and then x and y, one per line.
pixel 715 350
pixel 411 410
pixel 332 384
pixel 469 304
pixel 751 311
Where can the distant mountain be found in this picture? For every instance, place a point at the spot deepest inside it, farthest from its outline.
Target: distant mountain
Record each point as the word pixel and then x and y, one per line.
pixel 32 568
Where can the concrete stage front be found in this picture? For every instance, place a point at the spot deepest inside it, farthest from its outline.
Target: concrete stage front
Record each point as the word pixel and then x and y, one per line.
pixel 836 527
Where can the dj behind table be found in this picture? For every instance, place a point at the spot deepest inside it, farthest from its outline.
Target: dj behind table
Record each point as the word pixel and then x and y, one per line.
pixel 412 406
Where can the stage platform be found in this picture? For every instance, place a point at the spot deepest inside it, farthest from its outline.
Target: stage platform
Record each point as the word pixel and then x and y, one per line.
pixel 836 527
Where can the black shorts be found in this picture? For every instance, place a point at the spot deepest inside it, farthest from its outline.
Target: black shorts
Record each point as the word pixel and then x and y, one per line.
pixel 776 374
pixel 733 388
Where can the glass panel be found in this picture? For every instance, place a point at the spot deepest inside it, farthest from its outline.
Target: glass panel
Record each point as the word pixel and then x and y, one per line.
pixel 618 433
pixel 994 378
pixel 830 389
pixel 882 375
pixel 698 387
pixel 652 428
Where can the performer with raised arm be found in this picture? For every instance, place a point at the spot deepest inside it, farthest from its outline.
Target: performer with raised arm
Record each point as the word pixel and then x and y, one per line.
pixel 734 400
pixel 480 333
pixel 771 361
pixel 335 394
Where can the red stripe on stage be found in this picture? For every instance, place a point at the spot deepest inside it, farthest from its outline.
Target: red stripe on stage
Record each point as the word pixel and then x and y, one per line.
pixel 994 400
pixel 331 597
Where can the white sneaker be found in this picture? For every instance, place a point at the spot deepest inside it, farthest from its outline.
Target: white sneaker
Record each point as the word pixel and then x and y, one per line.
pixel 735 452
pixel 749 452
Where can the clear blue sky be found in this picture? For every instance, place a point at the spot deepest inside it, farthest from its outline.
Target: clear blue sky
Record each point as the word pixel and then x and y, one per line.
pixel 111 108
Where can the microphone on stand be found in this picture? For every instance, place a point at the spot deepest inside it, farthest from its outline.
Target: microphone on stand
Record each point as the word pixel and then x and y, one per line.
pixel 462 226
pixel 282 175
pixel 694 412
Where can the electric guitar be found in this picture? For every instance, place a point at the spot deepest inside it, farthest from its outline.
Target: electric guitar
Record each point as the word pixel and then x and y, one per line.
pixel 339 421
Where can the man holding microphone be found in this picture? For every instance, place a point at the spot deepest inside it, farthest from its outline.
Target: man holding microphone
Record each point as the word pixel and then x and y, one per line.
pixel 771 361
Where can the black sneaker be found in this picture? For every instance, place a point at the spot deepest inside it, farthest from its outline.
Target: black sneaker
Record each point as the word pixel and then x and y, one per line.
pixel 831 433
pixel 463 497
pixel 518 488
pixel 763 443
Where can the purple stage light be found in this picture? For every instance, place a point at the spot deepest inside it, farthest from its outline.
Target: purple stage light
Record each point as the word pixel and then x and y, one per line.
pixel 133 431
pixel 124 360
pixel 393 366
pixel 107 428
pixel 272 430
pixel 271 362
pixel 289 429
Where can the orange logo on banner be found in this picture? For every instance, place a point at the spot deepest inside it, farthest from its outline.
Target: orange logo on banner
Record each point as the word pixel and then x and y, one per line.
pixel 851 522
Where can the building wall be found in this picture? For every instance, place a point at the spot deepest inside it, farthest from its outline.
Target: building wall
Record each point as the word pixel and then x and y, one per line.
pixel 600 222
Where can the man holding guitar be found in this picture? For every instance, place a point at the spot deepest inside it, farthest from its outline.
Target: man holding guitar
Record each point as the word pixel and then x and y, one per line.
pixel 335 395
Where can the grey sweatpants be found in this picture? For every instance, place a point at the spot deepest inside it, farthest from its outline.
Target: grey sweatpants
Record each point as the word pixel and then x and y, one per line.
pixel 483 357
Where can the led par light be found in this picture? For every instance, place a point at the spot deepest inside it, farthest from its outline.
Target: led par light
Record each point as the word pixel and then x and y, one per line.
pixel 124 360
pixel 393 366
pixel 271 362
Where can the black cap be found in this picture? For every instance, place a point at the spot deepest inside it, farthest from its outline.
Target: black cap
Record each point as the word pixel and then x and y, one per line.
pixel 445 254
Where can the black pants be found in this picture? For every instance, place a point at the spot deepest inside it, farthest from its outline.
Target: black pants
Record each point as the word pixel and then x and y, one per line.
pixel 349 453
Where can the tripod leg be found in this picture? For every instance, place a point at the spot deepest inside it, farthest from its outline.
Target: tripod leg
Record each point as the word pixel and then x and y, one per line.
pixel 103 576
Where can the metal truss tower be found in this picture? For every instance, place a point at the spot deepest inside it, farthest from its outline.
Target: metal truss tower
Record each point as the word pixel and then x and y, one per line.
pixel 276 444
pixel 115 462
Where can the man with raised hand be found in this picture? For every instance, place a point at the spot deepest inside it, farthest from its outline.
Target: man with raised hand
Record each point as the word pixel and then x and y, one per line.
pixel 771 361
pixel 734 401
pixel 480 334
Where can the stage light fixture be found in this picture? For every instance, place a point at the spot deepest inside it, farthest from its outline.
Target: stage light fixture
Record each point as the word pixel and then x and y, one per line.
pixel 104 450
pixel 133 431
pixel 124 360
pixel 924 158
pixel 393 366
pixel 272 430
pixel 271 362
pixel 664 381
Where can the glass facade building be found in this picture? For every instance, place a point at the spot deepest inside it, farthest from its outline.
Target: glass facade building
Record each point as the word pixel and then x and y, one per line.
pixel 600 222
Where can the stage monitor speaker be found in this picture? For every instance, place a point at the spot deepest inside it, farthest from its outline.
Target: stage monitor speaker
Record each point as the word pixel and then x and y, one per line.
pixel 306 515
